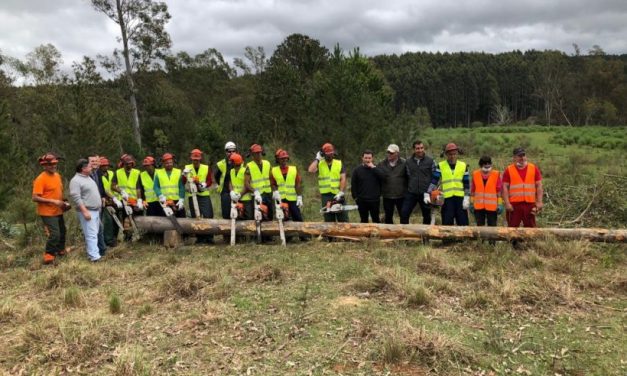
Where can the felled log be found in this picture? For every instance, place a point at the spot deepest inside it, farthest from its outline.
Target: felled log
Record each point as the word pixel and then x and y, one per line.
pixel 381 231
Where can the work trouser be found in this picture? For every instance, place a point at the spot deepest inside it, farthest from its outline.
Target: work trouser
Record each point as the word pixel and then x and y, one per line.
pixel 370 207
pixel 111 229
pixel 388 208
pixel 102 246
pixel 453 212
pixel 332 217
pixel 523 212
pixel 482 215
pixel 154 209
pixel 206 211
pixel 295 213
pixel 225 204
pixel 54 228
pixel 409 203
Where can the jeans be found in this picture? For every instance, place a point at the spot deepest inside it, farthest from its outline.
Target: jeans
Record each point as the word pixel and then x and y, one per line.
pixel 453 212
pixel 366 208
pixel 409 203
pixel 102 247
pixel 90 231
pixel 388 207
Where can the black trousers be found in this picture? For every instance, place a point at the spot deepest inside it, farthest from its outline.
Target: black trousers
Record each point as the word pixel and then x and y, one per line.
pixel 482 215
pixel 206 210
pixel 225 204
pixel 453 212
pixel 388 208
pixel 55 230
pixel 409 203
pixel 370 207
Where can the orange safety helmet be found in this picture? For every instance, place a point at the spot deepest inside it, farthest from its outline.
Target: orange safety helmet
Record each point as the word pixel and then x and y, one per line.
pixel 149 161
pixel 256 148
pixel 450 147
pixel 236 159
pixel 328 148
pixel 126 158
pixel 281 154
pixel 48 158
pixel 104 162
pixel 196 155
pixel 167 157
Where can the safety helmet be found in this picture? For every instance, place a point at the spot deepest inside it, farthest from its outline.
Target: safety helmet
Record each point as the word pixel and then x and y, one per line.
pixel 48 158
pixel 149 161
pixel 450 147
pixel 236 159
pixel 256 148
pixel 196 155
pixel 230 146
pixel 281 154
pixel 328 148
pixel 104 161
pixel 167 157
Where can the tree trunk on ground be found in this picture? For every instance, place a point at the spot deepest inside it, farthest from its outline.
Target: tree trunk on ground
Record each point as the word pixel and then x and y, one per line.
pixel 381 231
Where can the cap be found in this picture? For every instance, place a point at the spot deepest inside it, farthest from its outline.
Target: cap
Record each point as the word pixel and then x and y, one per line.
pixel 236 159
pixel 519 151
pixel 196 154
pixel 328 148
pixel 450 147
pixel 393 148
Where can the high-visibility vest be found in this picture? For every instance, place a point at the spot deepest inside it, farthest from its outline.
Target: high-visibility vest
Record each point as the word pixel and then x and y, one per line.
pixel 287 184
pixel 237 180
pixel 169 185
pixel 106 183
pixel 329 178
pixel 519 190
pixel 452 181
pixel 129 184
pixel 222 167
pixel 485 196
pixel 148 185
pixel 203 171
pixel 260 180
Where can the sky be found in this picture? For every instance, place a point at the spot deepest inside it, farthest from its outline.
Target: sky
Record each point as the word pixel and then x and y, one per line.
pixel 376 27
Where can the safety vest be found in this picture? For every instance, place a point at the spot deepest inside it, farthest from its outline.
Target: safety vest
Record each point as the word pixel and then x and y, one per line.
pixel 329 178
pixel 260 180
pixel 237 180
pixel 203 171
pixel 106 183
pixel 287 184
pixel 222 167
pixel 129 184
pixel 519 190
pixel 452 181
pixel 149 186
pixel 485 195
pixel 169 185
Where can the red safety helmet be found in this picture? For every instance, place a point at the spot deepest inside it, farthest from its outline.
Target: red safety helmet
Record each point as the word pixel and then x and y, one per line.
pixel 167 157
pixel 236 159
pixel 281 154
pixel 256 148
pixel 48 159
pixel 450 147
pixel 328 148
pixel 104 161
pixel 195 155
pixel 149 161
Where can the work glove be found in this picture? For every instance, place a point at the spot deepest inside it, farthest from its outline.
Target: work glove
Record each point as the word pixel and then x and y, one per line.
pixel 117 203
pixel 319 156
pixel 235 196
pixel 427 198
pixel 258 199
pixel 140 204
pixel 299 202
pixel 186 171
pixel 128 210
pixel 276 196
pixel 339 196
pixel 162 199
pixel 499 209
pixel 124 195
pixel 203 186
pixel 466 203
pixel 180 204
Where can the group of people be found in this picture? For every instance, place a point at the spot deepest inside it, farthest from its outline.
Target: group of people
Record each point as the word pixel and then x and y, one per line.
pixel 107 200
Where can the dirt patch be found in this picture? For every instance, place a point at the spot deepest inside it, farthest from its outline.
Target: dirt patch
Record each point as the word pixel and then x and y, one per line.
pixel 346 301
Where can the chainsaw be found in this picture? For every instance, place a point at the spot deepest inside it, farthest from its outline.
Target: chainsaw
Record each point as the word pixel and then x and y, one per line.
pixel 167 209
pixel 280 215
pixel 236 207
pixel 192 188
pixel 437 200
pixel 335 206
pixel 128 209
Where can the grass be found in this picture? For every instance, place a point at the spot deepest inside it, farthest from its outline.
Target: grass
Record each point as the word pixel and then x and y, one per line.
pixel 471 308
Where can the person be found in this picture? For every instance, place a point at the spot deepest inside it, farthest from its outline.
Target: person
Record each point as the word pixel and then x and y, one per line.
pixel 147 179
pixel 238 192
pixel 94 161
pixel 394 183
pixel 127 184
pixel 48 194
pixel 522 190
pixel 286 185
pixel 223 176
pixel 200 175
pixel 257 178
pixel 419 170
pixel 110 229
pixel 366 188
pixel 485 193
pixel 85 196
pixel 455 187
pixel 169 187
pixel 331 180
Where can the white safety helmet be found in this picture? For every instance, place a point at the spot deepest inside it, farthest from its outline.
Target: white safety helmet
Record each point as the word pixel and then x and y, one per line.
pixel 230 146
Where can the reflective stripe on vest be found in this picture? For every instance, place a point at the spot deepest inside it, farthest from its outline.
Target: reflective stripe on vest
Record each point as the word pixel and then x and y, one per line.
pixel 329 179
pixel 452 181
pixel 237 180
pixel 519 190
pixel 287 184
pixel 129 184
pixel 222 167
pixel 203 171
pixel 260 180
pixel 106 183
pixel 485 196
pixel 148 185
pixel 169 184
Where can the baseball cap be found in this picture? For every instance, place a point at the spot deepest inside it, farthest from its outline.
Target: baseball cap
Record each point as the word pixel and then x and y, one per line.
pixel 393 148
pixel 519 151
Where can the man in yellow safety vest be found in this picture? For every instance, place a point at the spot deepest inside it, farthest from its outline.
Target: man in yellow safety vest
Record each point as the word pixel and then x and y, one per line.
pixel 169 186
pixel 331 180
pixel 200 175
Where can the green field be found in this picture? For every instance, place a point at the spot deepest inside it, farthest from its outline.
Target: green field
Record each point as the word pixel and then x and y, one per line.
pixel 338 308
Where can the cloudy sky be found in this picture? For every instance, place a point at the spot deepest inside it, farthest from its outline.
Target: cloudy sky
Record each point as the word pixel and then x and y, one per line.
pixel 376 26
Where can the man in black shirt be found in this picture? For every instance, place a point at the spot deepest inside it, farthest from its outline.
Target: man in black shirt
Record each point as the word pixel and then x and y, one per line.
pixel 366 188
pixel 419 168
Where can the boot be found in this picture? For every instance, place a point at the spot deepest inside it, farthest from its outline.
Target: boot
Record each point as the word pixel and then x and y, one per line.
pixel 48 258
